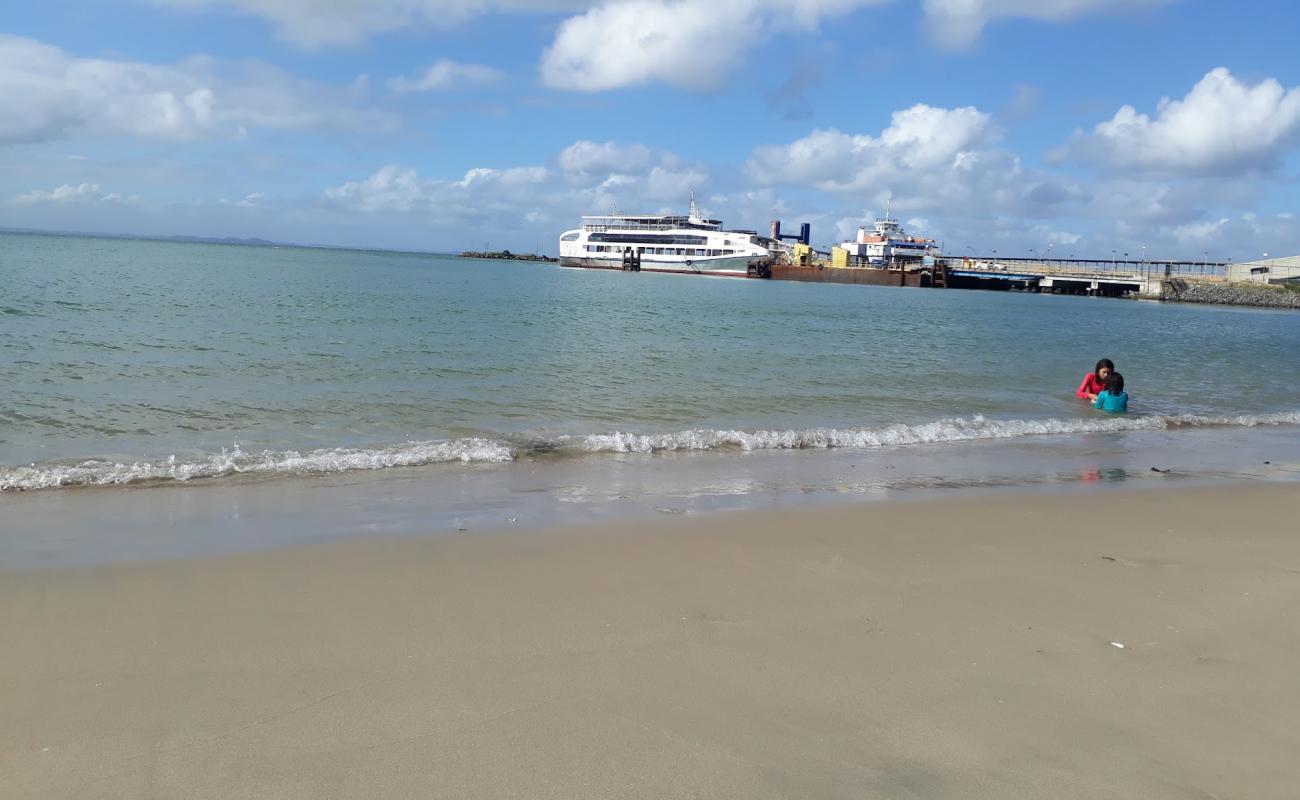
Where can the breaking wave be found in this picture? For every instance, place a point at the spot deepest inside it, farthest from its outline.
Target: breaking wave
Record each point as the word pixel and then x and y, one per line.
pixel 99 472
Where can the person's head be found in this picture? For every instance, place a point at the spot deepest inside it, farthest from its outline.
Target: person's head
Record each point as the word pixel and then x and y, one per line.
pixel 1104 368
pixel 1114 383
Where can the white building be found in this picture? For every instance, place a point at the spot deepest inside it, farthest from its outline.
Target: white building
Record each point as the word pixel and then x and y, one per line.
pixel 1269 270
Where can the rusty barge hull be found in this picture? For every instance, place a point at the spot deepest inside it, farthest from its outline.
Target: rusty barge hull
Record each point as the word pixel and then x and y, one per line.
pixel 864 276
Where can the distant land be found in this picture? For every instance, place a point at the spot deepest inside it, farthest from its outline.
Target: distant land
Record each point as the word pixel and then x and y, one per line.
pixel 157 238
pixel 232 240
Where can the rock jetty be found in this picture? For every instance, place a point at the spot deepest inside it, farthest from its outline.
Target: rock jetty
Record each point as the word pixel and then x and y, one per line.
pixel 505 255
pixel 1179 291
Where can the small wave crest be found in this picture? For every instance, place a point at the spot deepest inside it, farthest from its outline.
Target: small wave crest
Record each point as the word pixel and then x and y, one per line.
pixel 941 431
pixel 47 475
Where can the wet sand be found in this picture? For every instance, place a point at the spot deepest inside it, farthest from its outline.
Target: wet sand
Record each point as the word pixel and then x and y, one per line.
pixel 959 648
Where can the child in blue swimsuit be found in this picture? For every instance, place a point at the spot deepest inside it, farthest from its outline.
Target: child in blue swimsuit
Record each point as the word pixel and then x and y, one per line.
pixel 1113 399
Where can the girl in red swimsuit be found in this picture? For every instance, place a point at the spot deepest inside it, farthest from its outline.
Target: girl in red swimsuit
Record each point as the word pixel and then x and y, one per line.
pixel 1094 382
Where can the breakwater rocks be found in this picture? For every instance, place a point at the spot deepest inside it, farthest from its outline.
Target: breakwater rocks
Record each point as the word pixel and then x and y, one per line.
pixel 505 255
pixel 1177 291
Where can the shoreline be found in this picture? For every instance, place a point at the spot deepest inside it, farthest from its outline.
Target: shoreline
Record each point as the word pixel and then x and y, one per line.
pixel 95 525
pixel 958 648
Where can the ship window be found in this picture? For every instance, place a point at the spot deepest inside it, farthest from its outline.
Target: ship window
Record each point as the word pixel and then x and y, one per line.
pixel 570 237
pixel 728 252
pixel 646 238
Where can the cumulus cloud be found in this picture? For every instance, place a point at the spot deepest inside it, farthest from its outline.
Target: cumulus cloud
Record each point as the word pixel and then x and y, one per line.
pixel 1223 125
pixel 68 193
pixel 610 44
pixel 584 178
pixel 920 139
pixel 47 93
pixel 321 23
pixel 584 158
pixel 444 75
pixel 679 42
pixel 959 23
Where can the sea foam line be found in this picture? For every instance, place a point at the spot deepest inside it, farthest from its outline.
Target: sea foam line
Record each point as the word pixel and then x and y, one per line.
pixel 941 431
pixel 96 472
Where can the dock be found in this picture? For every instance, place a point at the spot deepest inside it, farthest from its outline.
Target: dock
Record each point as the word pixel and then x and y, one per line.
pixel 1104 278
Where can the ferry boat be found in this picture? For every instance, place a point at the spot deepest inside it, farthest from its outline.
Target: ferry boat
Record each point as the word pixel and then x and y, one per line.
pixel 887 245
pixel 688 245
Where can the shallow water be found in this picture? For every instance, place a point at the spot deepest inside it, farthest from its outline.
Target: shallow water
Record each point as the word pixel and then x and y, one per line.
pixel 129 361
pixel 476 392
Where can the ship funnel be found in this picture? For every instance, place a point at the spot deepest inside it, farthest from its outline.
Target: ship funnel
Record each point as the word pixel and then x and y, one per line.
pixel 776 229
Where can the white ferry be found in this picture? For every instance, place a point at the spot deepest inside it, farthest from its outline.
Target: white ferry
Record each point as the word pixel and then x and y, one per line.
pixel 689 244
pixel 887 245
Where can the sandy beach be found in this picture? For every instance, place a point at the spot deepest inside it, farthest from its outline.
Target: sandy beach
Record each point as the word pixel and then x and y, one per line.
pixel 959 648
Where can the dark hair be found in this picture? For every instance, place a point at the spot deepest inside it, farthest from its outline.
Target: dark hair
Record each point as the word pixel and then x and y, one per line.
pixel 1105 363
pixel 1114 382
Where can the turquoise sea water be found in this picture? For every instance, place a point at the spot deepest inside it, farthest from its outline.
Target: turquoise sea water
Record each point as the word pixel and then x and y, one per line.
pixel 128 360
pixel 226 397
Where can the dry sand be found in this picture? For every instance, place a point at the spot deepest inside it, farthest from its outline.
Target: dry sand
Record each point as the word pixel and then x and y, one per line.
pixel 951 649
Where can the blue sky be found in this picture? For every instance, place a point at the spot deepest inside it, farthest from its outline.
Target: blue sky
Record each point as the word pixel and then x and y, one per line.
pixel 1089 125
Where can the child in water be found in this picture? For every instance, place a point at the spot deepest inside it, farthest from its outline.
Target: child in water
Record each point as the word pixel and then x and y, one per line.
pixel 1095 382
pixel 1113 399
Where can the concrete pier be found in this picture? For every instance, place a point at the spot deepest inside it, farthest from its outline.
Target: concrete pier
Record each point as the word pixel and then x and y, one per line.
pixel 1075 276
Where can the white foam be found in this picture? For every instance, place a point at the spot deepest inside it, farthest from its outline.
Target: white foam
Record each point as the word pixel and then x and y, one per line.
pixel 479 450
pixel 236 462
pixel 945 430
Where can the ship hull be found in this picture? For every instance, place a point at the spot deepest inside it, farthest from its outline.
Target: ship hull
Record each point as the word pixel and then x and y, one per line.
pixel 866 276
pixel 736 267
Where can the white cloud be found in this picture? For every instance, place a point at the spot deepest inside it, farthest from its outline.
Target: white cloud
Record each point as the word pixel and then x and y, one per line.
pixel 584 178
pixel 68 193
pixel 959 23
pixel 1223 125
pixel 693 44
pixel 610 44
pixel 319 23
pixel 919 140
pixel 584 158
pixel 46 93
pixel 444 75
pixel 390 188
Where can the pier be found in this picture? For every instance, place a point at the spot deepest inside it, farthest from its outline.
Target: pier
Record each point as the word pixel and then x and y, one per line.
pixel 1106 278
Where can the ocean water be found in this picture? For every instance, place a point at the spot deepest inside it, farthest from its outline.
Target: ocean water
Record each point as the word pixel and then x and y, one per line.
pixel 127 361
pixel 168 400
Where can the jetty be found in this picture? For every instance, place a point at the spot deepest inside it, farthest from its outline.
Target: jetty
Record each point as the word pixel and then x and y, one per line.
pixel 1099 277
pixel 505 255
